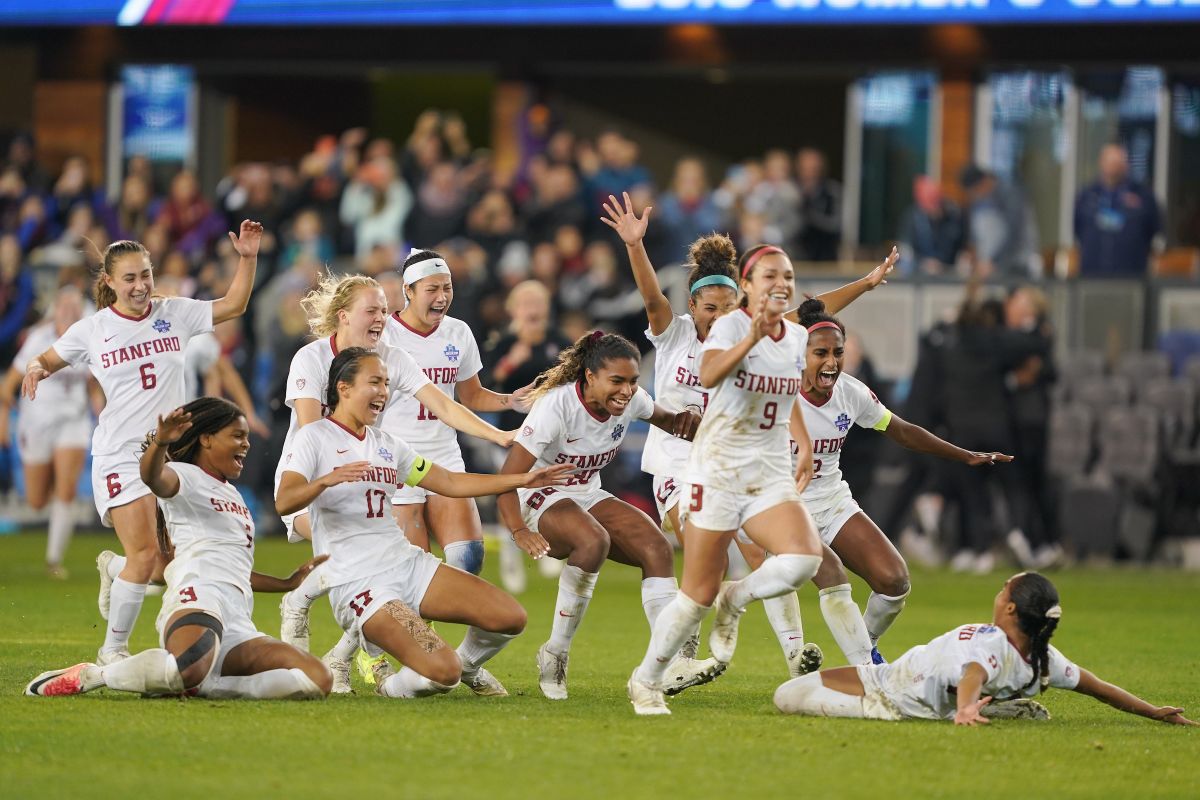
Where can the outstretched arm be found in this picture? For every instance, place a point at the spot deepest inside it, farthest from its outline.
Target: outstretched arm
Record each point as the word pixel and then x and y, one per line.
pixel 40 368
pixel 153 467
pixel 914 437
pixel 1122 700
pixel 683 424
pixel 237 298
pixel 843 296
pixel 632 231
pixel 473 395
pixel 460 417
pixel 269 583
pixel 473 484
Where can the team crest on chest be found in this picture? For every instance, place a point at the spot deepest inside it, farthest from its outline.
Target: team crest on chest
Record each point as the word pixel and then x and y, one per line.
pixel 617 431
pixel 451 353
pixel 161 325
pixel 842 422
pixel 385 454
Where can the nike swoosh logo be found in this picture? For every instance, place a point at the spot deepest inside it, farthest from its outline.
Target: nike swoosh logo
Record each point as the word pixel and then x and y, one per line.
pixel 111 337
pixel 573 441
pixel 340 452
pixel 794 638
pixel 751 356
pixel 565 614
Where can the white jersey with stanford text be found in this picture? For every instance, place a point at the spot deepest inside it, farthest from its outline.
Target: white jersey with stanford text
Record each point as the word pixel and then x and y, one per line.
pixel 742 444
pixel 308 378
pixel 562 429
pixel 352 521
pixel 211 528
pixel 139 364
pixel 447 354
pixel 828 423
pixel 676 386
pixel 922 682
pixel 61 396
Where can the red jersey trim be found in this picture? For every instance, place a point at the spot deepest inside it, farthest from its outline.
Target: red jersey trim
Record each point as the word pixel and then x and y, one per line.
pixel 431 332
pixel 1014 647
pixel 333 344
pixel 360 437
pixel 582 402
pixel 773 337
pixel 149 308
pixel 213 475
pixel 812 401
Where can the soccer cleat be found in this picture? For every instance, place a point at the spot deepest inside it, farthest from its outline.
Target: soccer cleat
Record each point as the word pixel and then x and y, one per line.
pixel 723 640
pixel 1021 708
pixel 373 670
pixel 106 657
pixel 805 659
pixel 102 562
pixel 293 626
pixel 684 673
pixel 552 673
pixel 647 698
pixel 876 657
pixel 59 682
pixel 484 684
pixel 340 668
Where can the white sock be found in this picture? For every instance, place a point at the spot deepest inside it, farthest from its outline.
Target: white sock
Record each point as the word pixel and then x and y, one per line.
pixel 62 524
pixel 845 622
pixel 346 646
pixel 777 575
pixel 783 613
pixel 124 603
pixel 148 672
pixel 480 646
pixel 410 683
pixel 656 593
pixel 312 587
pixel 679 620
pixel 574 591
pixel 882 611
pixel 467 556
pixel 115 565
pixel 273 684
pixel 810 696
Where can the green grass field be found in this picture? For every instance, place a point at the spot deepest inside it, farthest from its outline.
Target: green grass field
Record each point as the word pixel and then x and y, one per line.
pixel 1138 628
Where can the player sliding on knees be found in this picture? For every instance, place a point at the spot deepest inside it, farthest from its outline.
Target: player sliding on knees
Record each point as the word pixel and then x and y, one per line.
pixel 583 407
pixel 345 472
pixel 712 292
pixel 210 646
pixel 959 674
pixel 831 403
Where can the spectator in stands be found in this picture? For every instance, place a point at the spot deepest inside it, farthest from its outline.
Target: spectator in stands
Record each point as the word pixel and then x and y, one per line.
pixel 441 206
pixel 820 208
pixel 1116 220
pixel 306 239
pixel 133 211
pixel 618 169
pixel 16 297
pixel 23 158
pixel 688 211
pixel 33 226
pixel 376 203
pixel 555 201
pixel 776 200
pixel 189 219
pixel 73 188
pixel 12 195
pixel 932 233
pixel 1002 231
pixel 492 224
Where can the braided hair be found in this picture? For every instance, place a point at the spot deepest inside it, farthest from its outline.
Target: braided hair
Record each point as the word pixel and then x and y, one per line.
pixel 590 352
pixel 344 369
pixel 812 311
pixel 1038 613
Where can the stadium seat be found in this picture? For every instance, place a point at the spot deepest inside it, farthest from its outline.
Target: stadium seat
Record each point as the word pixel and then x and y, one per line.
pixel 1089 515
pixel 1129 445
pixel 1081 364
pixel 1100 393
pixel 1191 369
pixel 1175 401
pixel 1143 365
pixel 1069 440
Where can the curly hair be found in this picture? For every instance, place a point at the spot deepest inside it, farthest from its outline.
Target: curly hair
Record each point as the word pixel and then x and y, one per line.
pixel 590 352
pixel 812 311
pixel 333 294
pixel 710 255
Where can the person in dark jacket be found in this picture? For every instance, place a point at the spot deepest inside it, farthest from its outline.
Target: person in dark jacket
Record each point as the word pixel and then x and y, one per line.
pixel 1116 221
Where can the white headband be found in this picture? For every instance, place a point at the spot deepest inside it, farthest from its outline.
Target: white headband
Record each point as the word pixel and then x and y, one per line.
pixel 423 269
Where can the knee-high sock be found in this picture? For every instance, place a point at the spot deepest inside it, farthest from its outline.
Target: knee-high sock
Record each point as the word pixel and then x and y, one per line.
pixel 274 684
pixel 467 556
pixel 575 589
pixel 115 565
pixel 346 646
pixel 808 695
pixel 62 524
pixel 882 611
pixel 312 587
pixel 148 672
pixel 480 646
pixel 777 575
pixel 656 593
pixel 783 613
pixel 124 603
pixel 845 622
pixel 410 683
pixel 679 620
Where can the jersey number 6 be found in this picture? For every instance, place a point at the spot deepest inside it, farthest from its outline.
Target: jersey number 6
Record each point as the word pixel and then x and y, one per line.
pixel 149 379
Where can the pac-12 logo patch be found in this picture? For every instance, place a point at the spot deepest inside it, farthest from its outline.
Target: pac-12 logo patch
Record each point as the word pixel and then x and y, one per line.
pixel 300 383
pixel 617 431
pixel 842 422
pixel 451 353
pixel 527 431
pixel 161 325
pixel 385 454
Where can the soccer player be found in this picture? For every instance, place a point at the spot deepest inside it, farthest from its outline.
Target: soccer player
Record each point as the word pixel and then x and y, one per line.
pixel 445 349
pixel 739 473
pixel 831 403
pixel 134 347
pixel 53 435
pixel 958 674
pixel 345 472
pixel 582 410
pixel 210 646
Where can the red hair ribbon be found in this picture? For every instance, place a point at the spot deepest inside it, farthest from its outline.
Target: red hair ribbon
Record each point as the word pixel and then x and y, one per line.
pixel 750 262
pixel 825 324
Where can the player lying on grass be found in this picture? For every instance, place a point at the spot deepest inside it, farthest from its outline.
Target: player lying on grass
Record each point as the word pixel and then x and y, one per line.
pixel 959 673
pixel 381 585
pixel 210 646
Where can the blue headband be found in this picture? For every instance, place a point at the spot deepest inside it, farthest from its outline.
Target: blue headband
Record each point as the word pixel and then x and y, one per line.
pixel 713 280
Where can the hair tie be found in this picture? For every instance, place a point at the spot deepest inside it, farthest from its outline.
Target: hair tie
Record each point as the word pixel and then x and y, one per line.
pixel 596 336
pixel 1054 612
pixel 713 280
pixel 825 323
pixel 750 262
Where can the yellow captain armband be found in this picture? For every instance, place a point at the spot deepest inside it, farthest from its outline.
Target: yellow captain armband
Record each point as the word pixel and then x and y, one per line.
pixel 420 469
pixel 884 421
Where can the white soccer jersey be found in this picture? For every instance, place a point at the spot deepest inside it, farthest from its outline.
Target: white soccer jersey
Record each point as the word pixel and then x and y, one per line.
pixel 743 441
pixel 62 396
pixel 211 528
pixel 676 386
pixel 850 403
pixel 352 521
pixel 447 354
pixel 199 357
pixel 922 681
pixel 561 429
pixel 138 362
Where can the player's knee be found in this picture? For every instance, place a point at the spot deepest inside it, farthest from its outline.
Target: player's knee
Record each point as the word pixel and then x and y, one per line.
pixel 319 674
pixel 658 559
pixel 591 549
pixel 446 669
pixel 894 582
pixel 831 573
pixel 37 501
pixel 512 619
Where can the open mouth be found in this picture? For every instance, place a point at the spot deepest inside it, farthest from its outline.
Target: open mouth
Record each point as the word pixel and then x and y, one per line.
pixel 617 405
pixel 376 406
pixel 437 311
pixel 779 298
pixel 373 333
pixel 826 378
pixel 239 459
pixel 139 297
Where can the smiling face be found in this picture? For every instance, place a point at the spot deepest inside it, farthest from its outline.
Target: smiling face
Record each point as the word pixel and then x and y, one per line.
pixel 224 453
pixel 429 300
pixel 132 280
pixel 772 277
pixel 360 324
pixel 708 304
pixel 824 359
pixel 362 400
pixel 611 387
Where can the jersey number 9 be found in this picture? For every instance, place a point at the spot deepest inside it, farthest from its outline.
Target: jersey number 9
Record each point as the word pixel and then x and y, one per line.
pixel 770 411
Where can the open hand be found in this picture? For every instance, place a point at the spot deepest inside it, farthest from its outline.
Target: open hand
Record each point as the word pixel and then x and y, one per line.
pixel 346 473
pixel 879 275
pixel 685 424
pixel 532 543
pixel 172 426
pixel 970 715
pixel 248 242
pixel 624 221
pixel 34 373
pixel 804 474
pixel 1172 715
pixel 987 459
pixel 519 400
pixel 553 475
pixel 294 580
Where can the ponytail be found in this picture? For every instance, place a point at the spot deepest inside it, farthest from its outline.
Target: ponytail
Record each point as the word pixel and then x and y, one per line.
pixel 590 352
pixel 1038 613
